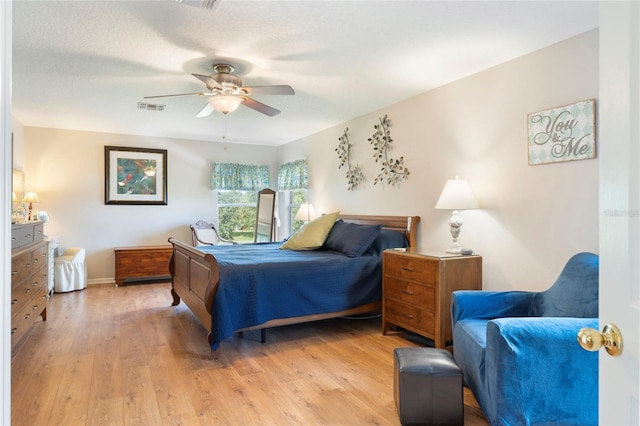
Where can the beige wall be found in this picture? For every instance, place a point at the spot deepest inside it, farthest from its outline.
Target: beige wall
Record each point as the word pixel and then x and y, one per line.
pixel 66 169
pixel 532 218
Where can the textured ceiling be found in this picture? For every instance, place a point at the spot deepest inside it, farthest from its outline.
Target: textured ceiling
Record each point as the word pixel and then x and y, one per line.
pixel 85 65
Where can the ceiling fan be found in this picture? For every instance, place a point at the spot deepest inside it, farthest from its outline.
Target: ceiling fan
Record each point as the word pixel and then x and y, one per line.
pixel 226 93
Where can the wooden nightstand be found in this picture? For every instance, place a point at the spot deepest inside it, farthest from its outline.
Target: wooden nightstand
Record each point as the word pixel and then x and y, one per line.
pixel 416 290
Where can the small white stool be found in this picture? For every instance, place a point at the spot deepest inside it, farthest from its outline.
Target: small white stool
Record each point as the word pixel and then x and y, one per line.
pixel 70 271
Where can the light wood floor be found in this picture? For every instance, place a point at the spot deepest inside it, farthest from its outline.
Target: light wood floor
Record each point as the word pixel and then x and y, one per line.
pixel 124 356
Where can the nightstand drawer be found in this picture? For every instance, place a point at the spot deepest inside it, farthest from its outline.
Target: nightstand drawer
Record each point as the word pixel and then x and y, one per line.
pixel 410 317
pixel 411 268
pixel 419 295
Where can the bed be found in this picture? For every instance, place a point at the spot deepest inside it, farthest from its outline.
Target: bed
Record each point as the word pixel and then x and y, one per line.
pixel 256 286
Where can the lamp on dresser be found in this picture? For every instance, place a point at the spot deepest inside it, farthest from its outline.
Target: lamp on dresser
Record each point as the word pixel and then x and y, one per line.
pixel 30 197
pixel 456 195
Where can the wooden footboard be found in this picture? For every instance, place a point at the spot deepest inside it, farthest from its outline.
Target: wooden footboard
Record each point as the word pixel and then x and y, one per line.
pixel 195 274
pixel 194 279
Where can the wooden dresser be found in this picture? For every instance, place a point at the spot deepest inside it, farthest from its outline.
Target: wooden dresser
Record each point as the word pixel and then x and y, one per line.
pixel 417 286
pixel 142 262
pixel 29 279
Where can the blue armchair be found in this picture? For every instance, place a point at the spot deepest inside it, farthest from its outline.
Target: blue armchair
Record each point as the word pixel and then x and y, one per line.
pixel 519 353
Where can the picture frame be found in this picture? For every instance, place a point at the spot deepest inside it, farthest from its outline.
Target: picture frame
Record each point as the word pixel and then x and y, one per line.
pixel 136 176
pixel 564 133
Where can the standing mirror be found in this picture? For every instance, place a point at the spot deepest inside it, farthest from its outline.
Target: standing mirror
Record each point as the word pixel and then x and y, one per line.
pixel 264 216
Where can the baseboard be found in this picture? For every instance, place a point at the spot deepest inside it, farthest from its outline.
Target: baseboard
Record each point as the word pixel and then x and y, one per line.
pixel 102 281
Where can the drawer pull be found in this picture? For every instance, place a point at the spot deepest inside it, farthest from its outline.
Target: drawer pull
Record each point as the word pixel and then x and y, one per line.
pixel 14 301
pixel 406 268
pixel 27 265
pixel 34 307
pixel 27 235
pixel 27 290
pixel 407 316
pixel 27 316
pixel 35 260
pixel 14 330
pixel 410 293
pixel 14 272
pixel 34 284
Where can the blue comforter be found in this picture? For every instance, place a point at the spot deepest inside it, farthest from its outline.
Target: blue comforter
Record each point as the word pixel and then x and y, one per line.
pixel 260 282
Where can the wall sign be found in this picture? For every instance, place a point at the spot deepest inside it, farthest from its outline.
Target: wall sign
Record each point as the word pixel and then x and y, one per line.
pixel 563 133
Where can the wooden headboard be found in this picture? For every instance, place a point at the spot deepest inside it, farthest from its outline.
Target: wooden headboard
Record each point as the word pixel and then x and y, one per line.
pixel 408 225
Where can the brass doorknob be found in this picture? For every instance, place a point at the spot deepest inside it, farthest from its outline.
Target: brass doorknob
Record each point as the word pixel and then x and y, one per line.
pixel 593 340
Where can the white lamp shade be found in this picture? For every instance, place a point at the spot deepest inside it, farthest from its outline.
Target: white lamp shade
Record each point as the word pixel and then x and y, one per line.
pixel 30 197
pixel 456 195
pixel 305 212
pixel 225 103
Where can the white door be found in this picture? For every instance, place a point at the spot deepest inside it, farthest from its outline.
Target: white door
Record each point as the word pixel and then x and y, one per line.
pixel 5 209
pixel 619 147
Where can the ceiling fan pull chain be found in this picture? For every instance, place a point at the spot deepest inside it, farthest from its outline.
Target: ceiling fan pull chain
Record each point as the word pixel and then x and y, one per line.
pixel 224 134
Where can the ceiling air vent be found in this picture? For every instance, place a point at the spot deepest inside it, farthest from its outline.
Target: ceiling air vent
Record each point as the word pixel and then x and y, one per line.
pixel 150 107
pixel 204 4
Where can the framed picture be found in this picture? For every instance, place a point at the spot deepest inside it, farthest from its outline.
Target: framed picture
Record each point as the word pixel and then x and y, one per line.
pixel 135 175
pixel 564 133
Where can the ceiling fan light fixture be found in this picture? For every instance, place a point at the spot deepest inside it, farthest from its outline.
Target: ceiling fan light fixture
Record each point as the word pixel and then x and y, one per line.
pixel 225 103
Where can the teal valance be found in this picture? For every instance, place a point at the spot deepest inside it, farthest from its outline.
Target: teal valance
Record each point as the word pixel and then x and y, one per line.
pixel 293 175
pixel 239 177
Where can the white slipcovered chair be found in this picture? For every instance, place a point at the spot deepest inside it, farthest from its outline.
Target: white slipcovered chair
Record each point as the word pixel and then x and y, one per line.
pixel 70 272
pixel 204 233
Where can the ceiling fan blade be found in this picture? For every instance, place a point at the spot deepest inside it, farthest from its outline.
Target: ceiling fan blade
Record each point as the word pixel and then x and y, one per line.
pixel 259 106
pixel 211 83
pixel 269 90
pixel 205 111
pixel 178 94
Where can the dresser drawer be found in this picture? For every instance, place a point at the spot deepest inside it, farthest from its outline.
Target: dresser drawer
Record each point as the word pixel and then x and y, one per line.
pixel 422 296
pixel 25 264
pixel 39 256
pixel 410 268
pixel 26 233
pixel 27 289
pixel 410 317
pixel 20 267
pixel 21 322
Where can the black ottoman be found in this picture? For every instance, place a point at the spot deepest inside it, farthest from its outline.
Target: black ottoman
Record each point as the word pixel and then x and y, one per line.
pixel 427 387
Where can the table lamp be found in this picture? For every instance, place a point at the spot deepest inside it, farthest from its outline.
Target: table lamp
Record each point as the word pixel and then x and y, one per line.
pixel 456 195
pixel 305 212
pixel 30 197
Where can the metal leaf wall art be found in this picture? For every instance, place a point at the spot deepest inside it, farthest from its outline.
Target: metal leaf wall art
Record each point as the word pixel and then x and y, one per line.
pixel 393 170
pixel 354 173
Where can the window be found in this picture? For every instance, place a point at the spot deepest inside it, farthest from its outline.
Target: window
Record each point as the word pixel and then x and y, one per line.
pixel 298 197
pixel 293 181
pixel 238 186
pixel 237 214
